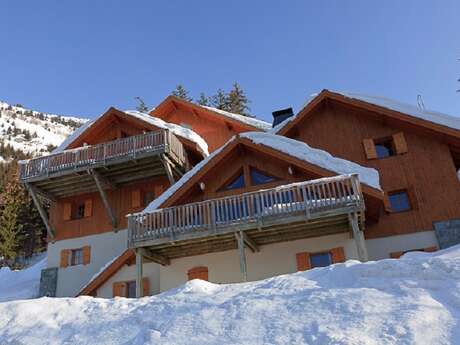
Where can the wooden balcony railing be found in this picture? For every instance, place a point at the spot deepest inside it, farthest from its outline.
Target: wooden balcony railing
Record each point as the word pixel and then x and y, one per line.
pixel 162 141
pixel 309 199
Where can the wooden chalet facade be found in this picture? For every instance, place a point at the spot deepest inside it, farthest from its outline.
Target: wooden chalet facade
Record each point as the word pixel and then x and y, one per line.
pixel 267 202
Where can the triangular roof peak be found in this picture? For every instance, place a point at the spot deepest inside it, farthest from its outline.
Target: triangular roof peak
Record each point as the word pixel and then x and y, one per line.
pixel 427 119
pixel 173 102
pixel 293 151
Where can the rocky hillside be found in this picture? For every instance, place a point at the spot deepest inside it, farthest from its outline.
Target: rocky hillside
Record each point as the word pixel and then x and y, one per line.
pixel 30 132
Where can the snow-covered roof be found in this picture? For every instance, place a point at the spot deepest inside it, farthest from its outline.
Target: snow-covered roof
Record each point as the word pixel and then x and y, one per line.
pixel 408 109
pixel 288 146
pixel 251 121
pixel 180 131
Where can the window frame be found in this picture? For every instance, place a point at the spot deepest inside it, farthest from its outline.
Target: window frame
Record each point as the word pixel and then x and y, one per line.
pixel 263 173
pixel 239 173
pixel 399 191
pixel 385 140
pixel 76 259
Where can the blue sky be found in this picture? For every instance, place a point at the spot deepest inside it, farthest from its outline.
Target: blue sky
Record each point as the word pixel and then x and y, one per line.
pixel 81 57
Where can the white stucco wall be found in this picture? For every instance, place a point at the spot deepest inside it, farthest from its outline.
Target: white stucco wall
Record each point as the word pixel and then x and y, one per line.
pixel 380 248
pixel 104 247
pixel 273 259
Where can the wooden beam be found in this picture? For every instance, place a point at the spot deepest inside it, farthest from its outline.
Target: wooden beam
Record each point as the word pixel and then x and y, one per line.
pixel 242 255
pixel 47 195
pixel 250 242
pixel 105 200
pixel 359 237
pixel 104 181
pixel 168 170
pixel 139 272
pixel 41 211
pixel 157 258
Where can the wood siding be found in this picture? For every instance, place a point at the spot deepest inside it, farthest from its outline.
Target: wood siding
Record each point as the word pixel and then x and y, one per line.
pixel 99 221
pixel 426 169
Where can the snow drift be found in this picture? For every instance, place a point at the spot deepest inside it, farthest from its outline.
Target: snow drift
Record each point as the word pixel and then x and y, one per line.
pixel 413 300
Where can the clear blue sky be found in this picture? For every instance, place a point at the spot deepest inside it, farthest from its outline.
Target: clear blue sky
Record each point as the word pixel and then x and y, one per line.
pixel 80 57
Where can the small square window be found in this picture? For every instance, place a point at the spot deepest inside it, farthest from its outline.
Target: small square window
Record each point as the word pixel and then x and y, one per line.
pixel 320 259
pixel 76 257
pixel 384 147
pixel 399 201
pixel 131 289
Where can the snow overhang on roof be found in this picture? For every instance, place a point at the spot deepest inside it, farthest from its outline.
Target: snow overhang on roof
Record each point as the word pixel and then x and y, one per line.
pixel 180 131
pixel 291 147
pixel 400 107
pixel 251 121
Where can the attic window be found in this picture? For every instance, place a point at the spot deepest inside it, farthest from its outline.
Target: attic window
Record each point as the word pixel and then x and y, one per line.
pixel 258 177
pixel 399 201
pixel 384 147
pixel 237 182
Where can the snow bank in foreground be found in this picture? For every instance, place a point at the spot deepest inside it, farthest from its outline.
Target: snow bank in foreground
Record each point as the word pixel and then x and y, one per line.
pixel 21 284
pixel 414 300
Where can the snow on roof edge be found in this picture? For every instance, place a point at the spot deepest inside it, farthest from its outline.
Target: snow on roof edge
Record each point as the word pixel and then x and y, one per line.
pixel 405 108
pixel 251 121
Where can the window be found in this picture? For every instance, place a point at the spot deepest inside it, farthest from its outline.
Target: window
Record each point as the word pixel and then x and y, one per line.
pixel 131 289
pixel 399 201
pixel 258 177
pixel 236 183
pixel 384 147
pixel 76 257
pixel 320 259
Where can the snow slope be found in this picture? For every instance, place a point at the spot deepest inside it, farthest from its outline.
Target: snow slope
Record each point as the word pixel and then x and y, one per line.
pixel 413 300
pixel 44 129
pixel 21 284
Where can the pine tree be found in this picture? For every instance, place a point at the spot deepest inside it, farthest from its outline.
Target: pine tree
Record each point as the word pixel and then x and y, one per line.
pixel 203 100
pixel 220 100
pixel 10 227
pixel 141 107
pixel 180 92
pixel 238 101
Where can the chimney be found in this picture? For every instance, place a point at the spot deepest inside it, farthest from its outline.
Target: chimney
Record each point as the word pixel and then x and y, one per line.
pixel 281 115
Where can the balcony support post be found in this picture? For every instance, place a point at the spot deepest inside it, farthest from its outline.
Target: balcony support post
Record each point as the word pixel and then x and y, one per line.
pixel 33 193
pixel 105 200
pixel 139 272
pixel 168 169
pixel 242 255
pixel 358 236
pixel 250 243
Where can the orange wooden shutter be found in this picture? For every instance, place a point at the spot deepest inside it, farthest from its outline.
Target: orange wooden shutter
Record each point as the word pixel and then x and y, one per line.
pixel 67 212
pixel 412 194
pixel 86 255
pixel 118 289
pixel 400 143
pixel 338 255
pixel 65 254
pixel 396 255
pixel 136 198
pixel 369 148
pixel 303 261
pixel 88 208
pixel 386 202
pixel 146 286
pixel 198 273
pixel 430 249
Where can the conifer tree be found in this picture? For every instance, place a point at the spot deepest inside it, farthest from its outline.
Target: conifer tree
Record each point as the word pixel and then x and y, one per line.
pixel 141 107
pixel 237 100
pixel 180 92
pixel 203 100
pixel 10 227
pixel 220 100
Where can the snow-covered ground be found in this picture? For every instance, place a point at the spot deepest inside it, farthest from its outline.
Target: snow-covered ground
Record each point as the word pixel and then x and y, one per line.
pixel 414 300
pixel 21 284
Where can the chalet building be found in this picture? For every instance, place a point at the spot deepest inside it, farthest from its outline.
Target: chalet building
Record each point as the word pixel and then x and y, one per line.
pixel 140 203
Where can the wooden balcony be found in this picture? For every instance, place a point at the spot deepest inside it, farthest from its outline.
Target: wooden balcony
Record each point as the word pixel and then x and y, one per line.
pixel 295 211
pixel 120 161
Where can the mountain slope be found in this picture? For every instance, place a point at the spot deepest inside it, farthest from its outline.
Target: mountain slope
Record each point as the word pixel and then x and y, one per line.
pixel 32 132
pixel 413 300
